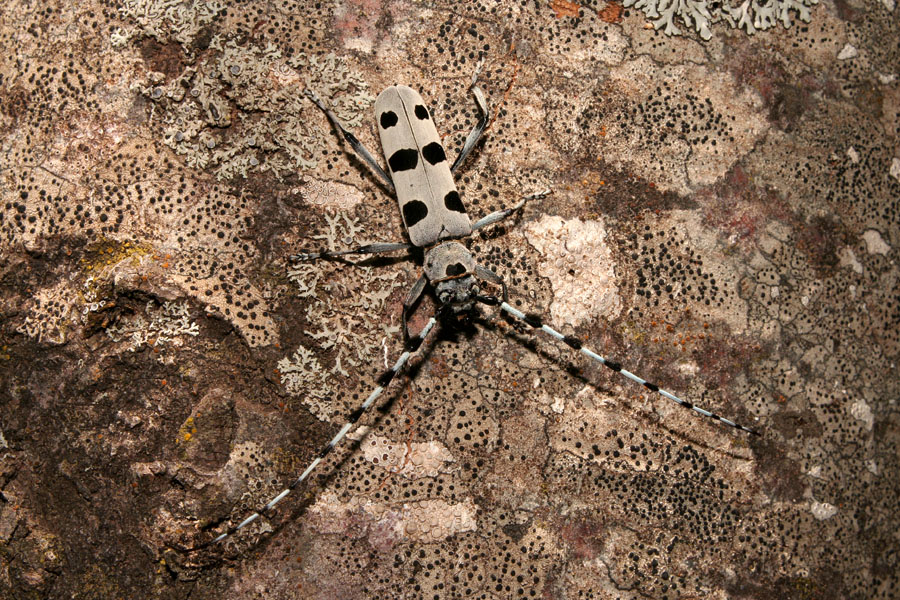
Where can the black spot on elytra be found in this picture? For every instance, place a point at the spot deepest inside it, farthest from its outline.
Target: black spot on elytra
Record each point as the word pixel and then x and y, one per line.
pixel 388 119
pixel 453 202
pixel 421 112
pixel 413 212
pixel 454 270
pixel 404 160
pixel 434 153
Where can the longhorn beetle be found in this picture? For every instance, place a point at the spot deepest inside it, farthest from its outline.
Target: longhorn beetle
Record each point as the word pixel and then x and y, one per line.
pixel 435 219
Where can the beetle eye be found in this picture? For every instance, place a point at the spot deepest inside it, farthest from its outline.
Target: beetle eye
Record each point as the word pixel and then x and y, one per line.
pixel 444 297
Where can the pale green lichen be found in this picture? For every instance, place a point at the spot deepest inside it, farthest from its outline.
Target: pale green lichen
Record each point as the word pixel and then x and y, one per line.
pixel 749 15
pixel 167 20
pixel 166 324
pixel 120 37
pixel 301 375
pixel 342 302
pixel 365 290
pixel 260 91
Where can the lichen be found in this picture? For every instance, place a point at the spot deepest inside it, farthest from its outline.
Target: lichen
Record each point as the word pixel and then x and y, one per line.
pixel 428 521
pixel 163 325
pixel 342 302
pixel 411 459
pixel 49 316
pixel 166 20
pixel 301 375
pixel 241 109
pixel 578 263
pixel 749 15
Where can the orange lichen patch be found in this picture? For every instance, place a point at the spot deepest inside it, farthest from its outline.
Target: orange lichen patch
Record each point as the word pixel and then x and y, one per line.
pixel 187 430
pixel 564 8
pixel 106 253
pixel 592 181
pixel 611 13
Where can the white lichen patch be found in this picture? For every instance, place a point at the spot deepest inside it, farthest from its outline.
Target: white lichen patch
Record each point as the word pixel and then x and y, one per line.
pixel 301 375
pixel 875 244
pixel 331 194
pixel 159 325
pixel 847 52
pixel 412 460
pixel 848 258
pixel 340 315
pixel 435 520
pixel 166 20
pixel 426 521
pixel 578 263
pixel 749 15
pixel 863 412
pixel 822 510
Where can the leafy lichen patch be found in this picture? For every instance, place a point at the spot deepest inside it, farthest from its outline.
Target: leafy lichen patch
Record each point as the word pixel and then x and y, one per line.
pixel 748 15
